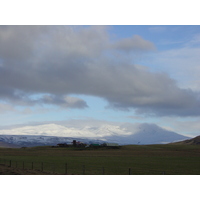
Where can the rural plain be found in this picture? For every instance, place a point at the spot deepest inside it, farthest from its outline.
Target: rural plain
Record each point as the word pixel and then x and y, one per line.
pixel 168 159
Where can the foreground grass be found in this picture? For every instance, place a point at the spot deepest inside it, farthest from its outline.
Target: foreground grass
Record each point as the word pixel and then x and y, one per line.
pixel 134 159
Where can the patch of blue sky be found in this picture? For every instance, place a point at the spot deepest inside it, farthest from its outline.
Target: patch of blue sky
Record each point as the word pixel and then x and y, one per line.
pixel 31 114
pixel 37 96
pixel 8 119
pixel 163 36
pixel 96 109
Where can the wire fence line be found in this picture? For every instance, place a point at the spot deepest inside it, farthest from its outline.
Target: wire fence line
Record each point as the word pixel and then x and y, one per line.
pixel 66 168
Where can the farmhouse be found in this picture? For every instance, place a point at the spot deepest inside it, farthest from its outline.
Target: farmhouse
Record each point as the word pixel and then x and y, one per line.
pixel 93 145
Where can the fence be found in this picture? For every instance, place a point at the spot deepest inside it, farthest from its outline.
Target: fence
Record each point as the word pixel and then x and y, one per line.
pixel 66 168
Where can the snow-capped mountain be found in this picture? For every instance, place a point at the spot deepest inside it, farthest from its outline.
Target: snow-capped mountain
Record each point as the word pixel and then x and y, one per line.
pixel 52 134
pixel 147 134
pixel 34 140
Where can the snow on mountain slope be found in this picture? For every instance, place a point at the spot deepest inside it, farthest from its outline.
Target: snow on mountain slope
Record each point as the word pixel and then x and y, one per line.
pixel 62 131
pixel 51 134
pixel 35 140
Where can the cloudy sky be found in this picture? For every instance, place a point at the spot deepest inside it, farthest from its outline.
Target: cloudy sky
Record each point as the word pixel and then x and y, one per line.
pixel 136 74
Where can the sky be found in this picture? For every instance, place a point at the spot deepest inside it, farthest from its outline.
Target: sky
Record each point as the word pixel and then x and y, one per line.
pixel 112 73
pixel 117 72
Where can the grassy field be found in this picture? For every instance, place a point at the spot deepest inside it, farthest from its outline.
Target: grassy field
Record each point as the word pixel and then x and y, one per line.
pixel 132 159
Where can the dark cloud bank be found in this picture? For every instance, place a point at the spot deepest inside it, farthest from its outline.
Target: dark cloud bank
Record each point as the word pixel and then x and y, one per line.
pixel 59 61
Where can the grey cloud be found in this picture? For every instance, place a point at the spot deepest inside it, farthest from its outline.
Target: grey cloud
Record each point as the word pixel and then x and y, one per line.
pixel 17 97
pixel 151 93
pixel 13 95
pixel 64 101
pixel 61 60
pixel 19 42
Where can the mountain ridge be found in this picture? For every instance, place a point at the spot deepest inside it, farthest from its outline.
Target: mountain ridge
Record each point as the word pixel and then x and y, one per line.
pixel 51 134
pixel 193 141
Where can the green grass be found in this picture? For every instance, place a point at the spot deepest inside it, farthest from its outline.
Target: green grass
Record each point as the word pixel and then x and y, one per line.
pixel 142 159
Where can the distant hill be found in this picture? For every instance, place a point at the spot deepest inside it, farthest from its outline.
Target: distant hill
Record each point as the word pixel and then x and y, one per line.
pixel 193 141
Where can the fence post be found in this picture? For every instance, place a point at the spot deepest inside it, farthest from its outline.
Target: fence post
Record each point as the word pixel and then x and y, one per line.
pixel 129 171
pixel 65 168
